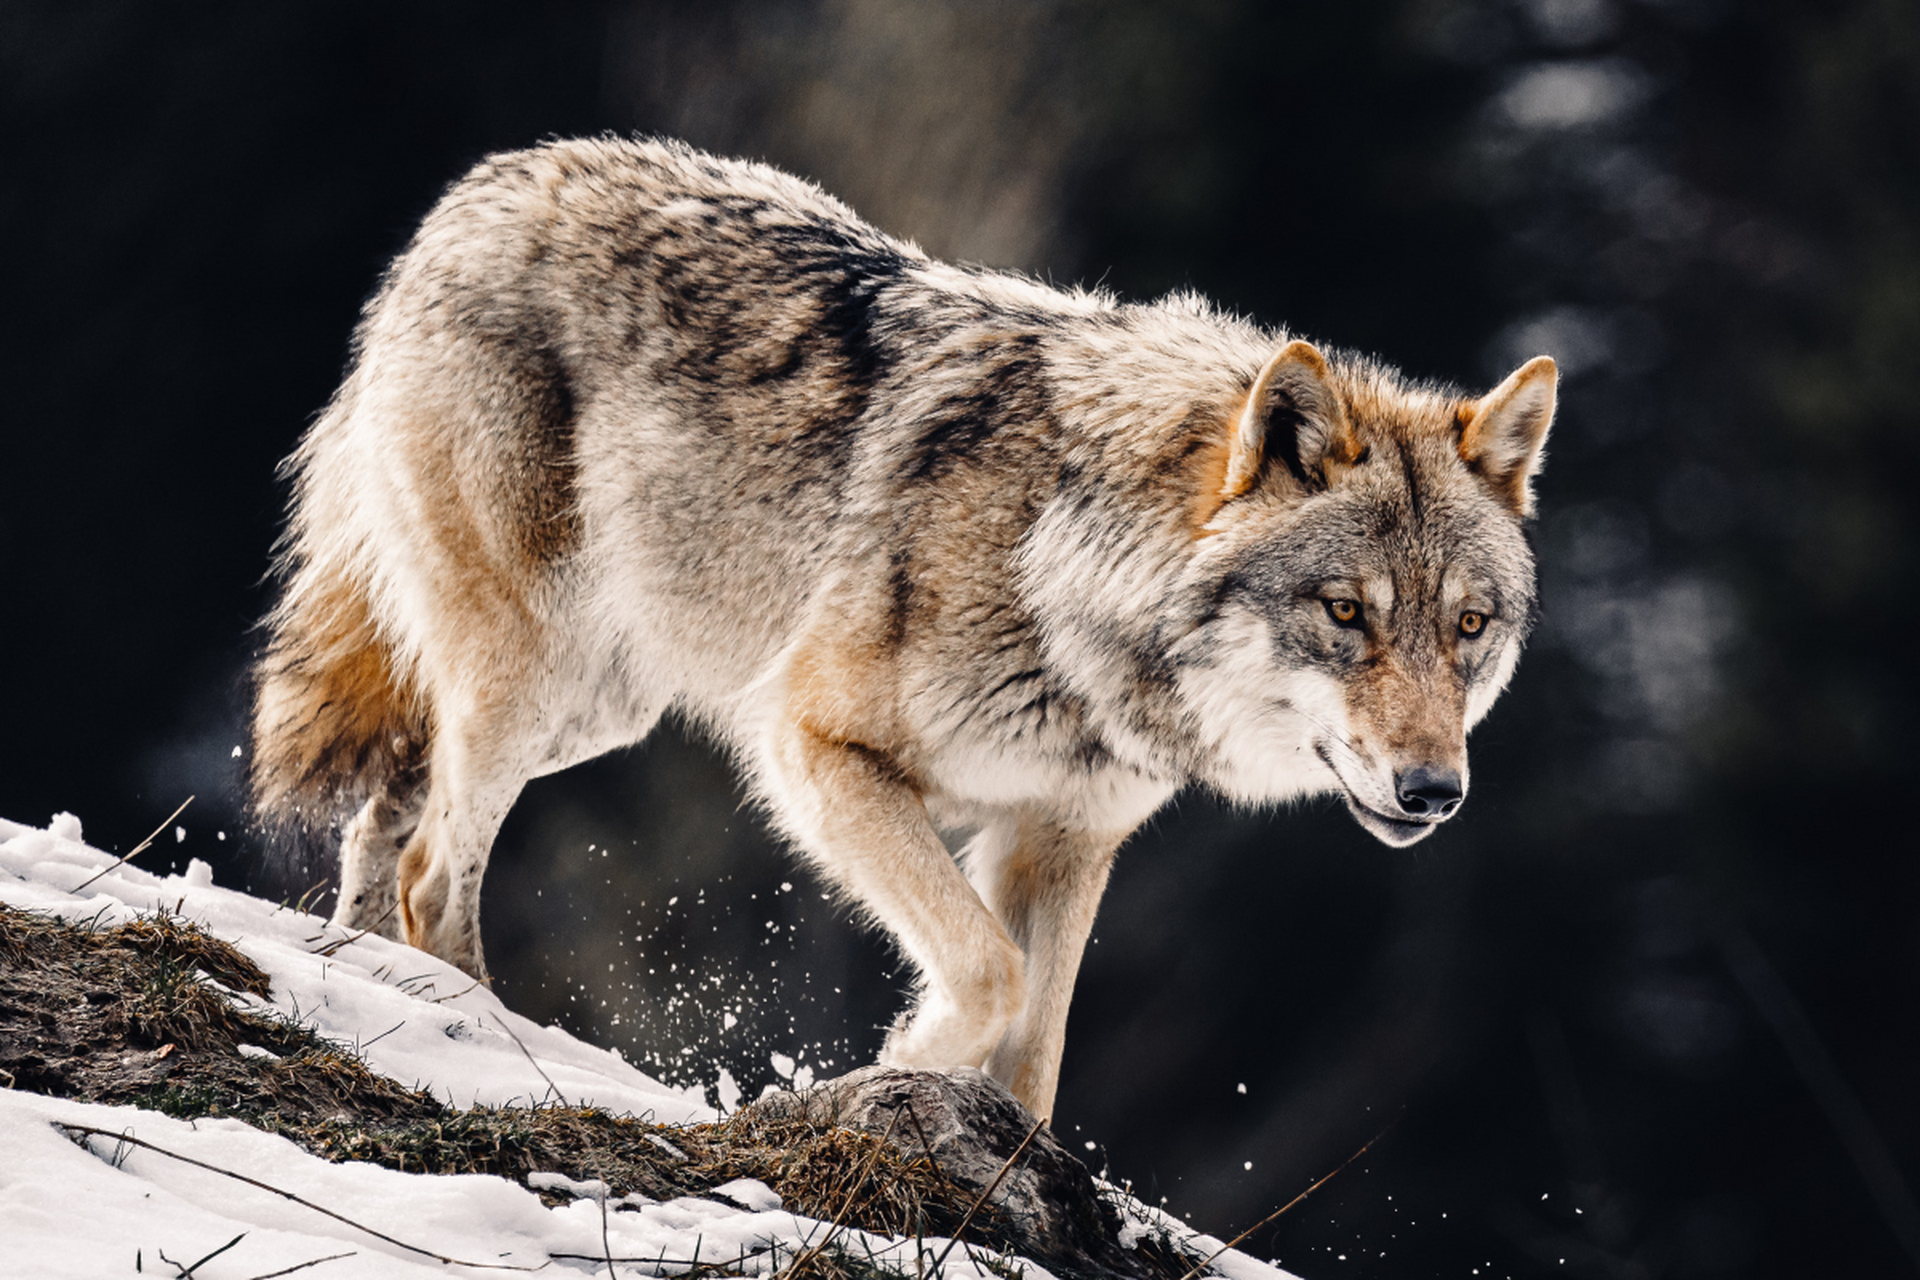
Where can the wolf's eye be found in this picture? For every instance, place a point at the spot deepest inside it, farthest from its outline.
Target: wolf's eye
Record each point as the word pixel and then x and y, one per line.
pixel 1472 624
pixel 1344 612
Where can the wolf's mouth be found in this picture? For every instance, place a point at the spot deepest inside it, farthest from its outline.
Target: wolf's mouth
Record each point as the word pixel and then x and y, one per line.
pixel 1397 832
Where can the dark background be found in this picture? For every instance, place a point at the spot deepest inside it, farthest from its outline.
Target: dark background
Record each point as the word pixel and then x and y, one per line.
pixel 1647 1007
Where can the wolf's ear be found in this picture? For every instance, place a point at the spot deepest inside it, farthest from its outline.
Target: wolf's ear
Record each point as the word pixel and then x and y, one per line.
pixel 1501 434
pixel 1293 415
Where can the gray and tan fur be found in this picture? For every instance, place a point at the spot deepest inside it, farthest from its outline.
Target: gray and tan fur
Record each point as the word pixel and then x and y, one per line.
pixel 630 428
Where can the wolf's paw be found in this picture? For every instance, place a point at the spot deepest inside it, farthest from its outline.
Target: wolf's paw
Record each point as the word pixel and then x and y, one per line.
pixel 957 1024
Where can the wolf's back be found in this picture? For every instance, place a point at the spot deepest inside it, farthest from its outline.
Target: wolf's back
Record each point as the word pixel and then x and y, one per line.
pixel 621 408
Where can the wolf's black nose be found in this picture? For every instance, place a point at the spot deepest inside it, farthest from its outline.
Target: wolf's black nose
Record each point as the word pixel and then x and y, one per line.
pixel 1426 792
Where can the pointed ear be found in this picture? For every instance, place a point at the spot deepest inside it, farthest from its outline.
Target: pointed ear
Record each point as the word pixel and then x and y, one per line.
pixel 1501 434
pixel 1292 415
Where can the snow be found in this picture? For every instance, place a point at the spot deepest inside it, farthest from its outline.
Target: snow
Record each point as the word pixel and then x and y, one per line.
pixel 749 1193
pixel 414 1018
pixel 110 1204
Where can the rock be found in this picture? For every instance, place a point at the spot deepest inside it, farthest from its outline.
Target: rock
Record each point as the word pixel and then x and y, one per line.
pixel 969 1124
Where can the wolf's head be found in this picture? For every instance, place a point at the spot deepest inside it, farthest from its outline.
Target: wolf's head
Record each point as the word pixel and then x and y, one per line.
pixel 1371 581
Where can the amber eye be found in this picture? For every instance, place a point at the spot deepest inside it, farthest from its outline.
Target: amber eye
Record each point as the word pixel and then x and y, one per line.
pixel 1472 624
pixel 1344 612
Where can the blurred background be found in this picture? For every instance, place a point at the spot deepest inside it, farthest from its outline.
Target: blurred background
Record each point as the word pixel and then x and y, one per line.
pixel 1647 1009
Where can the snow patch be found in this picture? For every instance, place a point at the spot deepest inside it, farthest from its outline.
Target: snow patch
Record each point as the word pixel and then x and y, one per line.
pixel 749 1193
pixel 88 1190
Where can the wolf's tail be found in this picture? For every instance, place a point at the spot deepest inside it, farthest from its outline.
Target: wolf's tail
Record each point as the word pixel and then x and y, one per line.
pixel 335 719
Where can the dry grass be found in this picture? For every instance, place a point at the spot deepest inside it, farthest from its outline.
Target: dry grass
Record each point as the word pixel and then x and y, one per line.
pixel 132 1014
pixel 145 1013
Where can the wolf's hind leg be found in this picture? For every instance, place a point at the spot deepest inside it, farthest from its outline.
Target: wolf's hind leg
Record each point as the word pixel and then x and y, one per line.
pixel 477 768
pixel 485 748
pixel 869 830
pixel 1043 882
pixel 370 848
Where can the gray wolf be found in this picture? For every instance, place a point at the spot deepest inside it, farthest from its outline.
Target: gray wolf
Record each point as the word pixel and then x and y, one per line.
pixel 631 429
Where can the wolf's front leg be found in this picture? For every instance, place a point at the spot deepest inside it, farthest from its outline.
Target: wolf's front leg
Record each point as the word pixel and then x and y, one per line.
pixel 1043 881
pixel 852 811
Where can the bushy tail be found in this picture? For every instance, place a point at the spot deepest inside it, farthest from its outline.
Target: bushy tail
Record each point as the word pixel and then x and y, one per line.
pixel 334 719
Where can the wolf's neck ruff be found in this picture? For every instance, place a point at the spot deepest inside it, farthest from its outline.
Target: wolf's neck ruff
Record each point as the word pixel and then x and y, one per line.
pixel 630 427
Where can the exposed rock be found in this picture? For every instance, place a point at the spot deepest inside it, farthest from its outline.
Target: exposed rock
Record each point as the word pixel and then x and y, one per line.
pixel 970 1125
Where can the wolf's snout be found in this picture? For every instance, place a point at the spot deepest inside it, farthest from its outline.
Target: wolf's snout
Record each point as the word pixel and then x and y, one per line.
pixel 1428 793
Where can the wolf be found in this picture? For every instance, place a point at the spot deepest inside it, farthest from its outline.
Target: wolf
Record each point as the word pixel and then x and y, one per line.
pixel 631 429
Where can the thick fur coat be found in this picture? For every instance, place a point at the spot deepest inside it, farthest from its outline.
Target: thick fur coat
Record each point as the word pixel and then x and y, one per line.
pixel 632 429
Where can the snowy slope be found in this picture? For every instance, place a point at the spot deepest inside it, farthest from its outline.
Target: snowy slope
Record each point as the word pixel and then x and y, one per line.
pixel 112 1209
